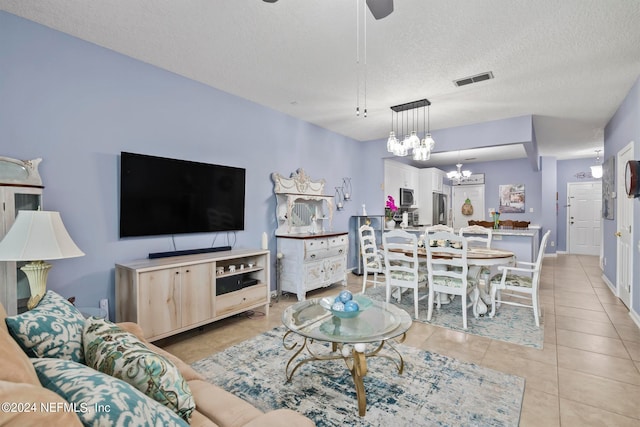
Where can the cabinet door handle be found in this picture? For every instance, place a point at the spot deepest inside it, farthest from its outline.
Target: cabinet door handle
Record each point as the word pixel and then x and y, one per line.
pixel 312 256
pixel 340 251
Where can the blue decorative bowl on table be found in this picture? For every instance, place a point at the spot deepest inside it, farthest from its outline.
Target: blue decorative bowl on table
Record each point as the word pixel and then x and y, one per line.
pixel 362 303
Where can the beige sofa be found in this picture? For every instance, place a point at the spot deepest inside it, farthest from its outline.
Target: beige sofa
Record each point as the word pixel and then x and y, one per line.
pixel 19 384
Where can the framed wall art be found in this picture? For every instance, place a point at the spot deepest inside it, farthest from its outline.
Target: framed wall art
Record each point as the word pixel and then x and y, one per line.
pixel 608 182
pixel 511 198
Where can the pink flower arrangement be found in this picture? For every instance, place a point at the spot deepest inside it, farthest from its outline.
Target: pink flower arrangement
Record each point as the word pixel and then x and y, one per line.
pixel 390 207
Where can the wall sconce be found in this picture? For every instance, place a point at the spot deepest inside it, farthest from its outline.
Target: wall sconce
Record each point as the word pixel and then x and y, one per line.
pixel 339 198
pixel 346 189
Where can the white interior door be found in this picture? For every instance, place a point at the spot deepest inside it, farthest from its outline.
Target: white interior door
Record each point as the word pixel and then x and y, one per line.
pixel 584 217
pixel 624 237
pixel 475 193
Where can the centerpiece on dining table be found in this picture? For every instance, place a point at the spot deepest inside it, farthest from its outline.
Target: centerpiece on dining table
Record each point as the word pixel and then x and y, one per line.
pixel 444 244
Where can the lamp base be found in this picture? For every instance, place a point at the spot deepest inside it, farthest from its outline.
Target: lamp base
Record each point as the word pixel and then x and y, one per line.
pixel 36 272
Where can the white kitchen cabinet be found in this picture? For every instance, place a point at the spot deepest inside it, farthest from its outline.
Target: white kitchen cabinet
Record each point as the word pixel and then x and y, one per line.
pixel 398 175
pixel 432 179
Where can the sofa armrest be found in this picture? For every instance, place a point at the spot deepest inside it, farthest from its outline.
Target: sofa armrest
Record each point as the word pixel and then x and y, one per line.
pixel 187 371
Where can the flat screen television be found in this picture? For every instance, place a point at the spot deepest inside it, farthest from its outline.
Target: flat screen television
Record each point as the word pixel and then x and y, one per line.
pixel 162 196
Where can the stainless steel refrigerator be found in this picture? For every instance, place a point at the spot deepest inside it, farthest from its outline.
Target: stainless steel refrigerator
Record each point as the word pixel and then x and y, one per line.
pixel 440 208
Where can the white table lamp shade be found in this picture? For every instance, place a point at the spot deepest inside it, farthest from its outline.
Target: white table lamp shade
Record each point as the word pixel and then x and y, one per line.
pixel 38 235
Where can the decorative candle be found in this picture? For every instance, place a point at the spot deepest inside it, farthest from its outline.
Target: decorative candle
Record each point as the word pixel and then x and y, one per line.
pixel 265 240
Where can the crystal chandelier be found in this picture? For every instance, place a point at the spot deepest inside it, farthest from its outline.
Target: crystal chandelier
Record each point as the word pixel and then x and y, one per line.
pixel 411 142
pixel 459 175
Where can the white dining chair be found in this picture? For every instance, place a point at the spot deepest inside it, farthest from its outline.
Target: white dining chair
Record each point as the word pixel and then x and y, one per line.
pixel 402 271
pixel 448 272
pixel 522 281
pixel 478 236
pixel 372 259
pixel 430 229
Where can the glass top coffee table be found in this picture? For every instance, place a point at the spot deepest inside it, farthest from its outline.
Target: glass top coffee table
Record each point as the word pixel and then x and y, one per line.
pixel 308 321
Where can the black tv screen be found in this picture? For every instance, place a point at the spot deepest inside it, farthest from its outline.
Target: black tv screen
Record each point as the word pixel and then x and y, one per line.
pixel 160 196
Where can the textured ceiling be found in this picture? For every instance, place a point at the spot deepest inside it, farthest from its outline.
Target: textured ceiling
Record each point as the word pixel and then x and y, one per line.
pixel 569 63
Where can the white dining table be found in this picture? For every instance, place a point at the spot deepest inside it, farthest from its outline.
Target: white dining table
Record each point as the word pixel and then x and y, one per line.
pixel 477 258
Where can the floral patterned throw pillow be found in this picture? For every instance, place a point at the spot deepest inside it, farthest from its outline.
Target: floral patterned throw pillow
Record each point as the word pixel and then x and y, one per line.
pixel 110 349
pixel 53 328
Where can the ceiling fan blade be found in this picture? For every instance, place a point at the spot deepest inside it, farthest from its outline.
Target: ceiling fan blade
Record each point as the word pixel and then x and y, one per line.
pixel 380 8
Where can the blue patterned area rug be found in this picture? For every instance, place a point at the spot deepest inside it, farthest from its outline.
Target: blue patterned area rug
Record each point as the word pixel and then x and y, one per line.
pixel 510 324
pixel 433 390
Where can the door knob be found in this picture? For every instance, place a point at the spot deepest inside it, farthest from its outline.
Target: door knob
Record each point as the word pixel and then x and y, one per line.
pixel 618 234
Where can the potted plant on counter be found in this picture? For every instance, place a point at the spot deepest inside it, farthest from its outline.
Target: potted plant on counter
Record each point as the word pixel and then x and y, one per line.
pixel 390 210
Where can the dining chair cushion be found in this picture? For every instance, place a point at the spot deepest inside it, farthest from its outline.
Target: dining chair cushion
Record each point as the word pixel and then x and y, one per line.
pixel 406 275
pixel 453 282
pixel 513 280
pixel 374 264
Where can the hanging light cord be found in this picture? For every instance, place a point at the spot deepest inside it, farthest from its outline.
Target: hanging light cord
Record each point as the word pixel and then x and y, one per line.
pixel 364 23
pixel 357 57
pixel 364 70
pixel 423 123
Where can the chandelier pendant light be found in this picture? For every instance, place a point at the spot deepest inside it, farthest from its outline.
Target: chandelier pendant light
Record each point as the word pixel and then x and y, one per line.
pixel 411 142
pixel 458 176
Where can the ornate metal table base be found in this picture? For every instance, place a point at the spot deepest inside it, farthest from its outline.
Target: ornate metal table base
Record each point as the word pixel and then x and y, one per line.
pixel 356 360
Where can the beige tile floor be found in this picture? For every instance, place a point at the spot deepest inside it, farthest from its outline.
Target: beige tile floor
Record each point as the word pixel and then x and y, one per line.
pixel 588 373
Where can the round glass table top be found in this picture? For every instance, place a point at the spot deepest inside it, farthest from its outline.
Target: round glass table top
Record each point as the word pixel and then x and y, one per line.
pixel 380 321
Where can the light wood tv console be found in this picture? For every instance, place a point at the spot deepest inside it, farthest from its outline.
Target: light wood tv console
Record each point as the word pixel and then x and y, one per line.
pixel 166 296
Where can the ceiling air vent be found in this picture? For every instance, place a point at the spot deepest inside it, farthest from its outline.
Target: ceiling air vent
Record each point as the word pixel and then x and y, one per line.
pixel 474 79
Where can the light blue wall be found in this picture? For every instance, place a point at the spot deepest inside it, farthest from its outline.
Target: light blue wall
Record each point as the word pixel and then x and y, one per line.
pixel 548 200
pixel 623 128
pixel 77 106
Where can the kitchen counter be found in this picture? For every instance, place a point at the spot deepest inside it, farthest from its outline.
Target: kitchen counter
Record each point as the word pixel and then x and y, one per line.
pixel 523 243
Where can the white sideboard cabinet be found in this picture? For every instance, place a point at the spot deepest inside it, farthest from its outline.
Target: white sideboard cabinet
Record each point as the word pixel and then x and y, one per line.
pixel 311 262
pixel 166 296
pixel 310 254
